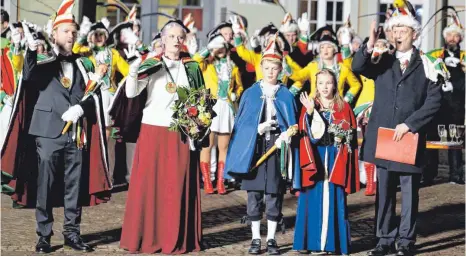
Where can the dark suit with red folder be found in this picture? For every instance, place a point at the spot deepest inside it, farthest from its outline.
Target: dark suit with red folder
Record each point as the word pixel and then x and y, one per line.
pixel 400 97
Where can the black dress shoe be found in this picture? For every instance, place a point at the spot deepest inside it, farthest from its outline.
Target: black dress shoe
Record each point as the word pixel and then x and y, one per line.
pixel 272 247
pixel 404 251
pixel 255 247
pixel 76 243
pixel 380 250
pixel 43 245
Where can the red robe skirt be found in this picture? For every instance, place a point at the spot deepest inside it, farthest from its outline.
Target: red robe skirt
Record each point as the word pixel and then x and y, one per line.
pixel 163 209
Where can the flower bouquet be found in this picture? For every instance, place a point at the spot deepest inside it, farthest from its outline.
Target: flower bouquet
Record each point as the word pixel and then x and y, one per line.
pixel 193 112
pixel 342 134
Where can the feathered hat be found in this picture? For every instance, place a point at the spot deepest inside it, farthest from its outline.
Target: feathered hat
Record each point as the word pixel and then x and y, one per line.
pixel 132 16
pixel 100 26
pixel 404 15
pixel 189 23
pixel 454 25
pixel 347 25
pixel 217 29
pixel 64 14
pixel 289 24
pixel 272 51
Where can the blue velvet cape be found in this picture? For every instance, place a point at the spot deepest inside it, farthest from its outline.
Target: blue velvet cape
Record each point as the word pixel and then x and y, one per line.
pixel 243 139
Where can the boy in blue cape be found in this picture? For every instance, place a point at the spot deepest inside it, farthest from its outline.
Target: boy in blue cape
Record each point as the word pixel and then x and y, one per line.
pixel 266 111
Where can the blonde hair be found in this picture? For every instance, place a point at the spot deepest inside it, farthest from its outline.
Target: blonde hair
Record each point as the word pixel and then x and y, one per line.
pixel 337 98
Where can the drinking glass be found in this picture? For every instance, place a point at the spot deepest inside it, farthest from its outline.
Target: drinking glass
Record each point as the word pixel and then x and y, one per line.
pixel 452 130
pixel 442 133
pixel 459 133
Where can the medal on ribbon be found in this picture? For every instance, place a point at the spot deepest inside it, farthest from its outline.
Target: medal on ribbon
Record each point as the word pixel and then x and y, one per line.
pixel 171 87
pixel 66 82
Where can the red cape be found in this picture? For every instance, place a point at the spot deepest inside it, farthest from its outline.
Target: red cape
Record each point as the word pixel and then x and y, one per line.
pixel 19 158
pixel 346 168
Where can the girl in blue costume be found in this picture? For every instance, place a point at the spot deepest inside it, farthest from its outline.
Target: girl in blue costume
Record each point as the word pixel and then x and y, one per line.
pixel 266 111
pixel 329 127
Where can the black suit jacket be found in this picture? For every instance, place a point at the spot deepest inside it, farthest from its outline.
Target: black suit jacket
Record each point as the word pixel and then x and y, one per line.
pixel 53 99
pixel 407 97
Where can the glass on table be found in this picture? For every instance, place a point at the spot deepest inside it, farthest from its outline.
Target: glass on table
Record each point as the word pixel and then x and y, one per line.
pixel 459 133
pixel 452 130
pixel 442 133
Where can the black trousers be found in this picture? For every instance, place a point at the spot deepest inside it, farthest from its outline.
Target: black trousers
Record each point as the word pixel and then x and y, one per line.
pixel 387 227
pixel 455 163
pixel 273 206
pixel 58 158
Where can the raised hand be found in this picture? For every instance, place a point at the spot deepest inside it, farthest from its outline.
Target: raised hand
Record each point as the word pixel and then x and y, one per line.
pixel 129 37
pixel 307 102
pixel 131 52
pixel 303 23
pixel 85 27
pixel 15 35
pixel 32 44
pixel 372 36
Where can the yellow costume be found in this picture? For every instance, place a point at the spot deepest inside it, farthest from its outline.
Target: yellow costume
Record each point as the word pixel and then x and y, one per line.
pixel 250 56
pixel 211 78
pixel 118 63
pixel 345 76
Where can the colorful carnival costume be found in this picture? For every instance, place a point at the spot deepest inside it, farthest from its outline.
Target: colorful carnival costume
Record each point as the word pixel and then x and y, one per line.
pixel 223 79
pixel 254 57
pixel 452 110
pixel 37 148
pixel 330 172
pixel 163 210
pixel 264 116
pixel 344 74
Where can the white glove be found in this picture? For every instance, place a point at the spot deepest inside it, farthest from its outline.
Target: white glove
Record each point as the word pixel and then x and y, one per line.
pixel 313 46
pixel 134 67
pixel 192 45
pixel 303 23
pixel 73 113
pixel 236 26
pixel 452 61
pixel 31 42
pixel 448 86
pixel 345 36
pixel 255 39
pixel 266 127
pixel 129 37
pixel 85 27
pixel 95 77
pixel 216 43
pixel 282 138
pixel 233 97
pixel 15 35
pixel 131 52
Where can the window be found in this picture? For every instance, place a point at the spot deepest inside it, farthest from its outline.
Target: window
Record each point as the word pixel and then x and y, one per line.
pixel 179 9
pixel 334 15
pixel 309 6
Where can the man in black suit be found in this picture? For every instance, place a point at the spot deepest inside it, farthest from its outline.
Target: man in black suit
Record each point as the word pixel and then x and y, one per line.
pixel 406 99
pixel 60 85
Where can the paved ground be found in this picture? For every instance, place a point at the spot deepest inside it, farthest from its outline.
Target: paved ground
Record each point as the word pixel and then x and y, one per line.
pixel 441 224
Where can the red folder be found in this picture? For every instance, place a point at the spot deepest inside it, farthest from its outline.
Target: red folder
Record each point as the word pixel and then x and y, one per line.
pixel 403 151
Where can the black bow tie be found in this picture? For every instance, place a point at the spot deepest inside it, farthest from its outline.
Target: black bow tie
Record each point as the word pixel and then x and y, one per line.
pixel 67 58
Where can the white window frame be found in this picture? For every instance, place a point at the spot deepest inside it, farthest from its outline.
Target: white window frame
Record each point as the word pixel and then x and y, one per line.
pixel 334 21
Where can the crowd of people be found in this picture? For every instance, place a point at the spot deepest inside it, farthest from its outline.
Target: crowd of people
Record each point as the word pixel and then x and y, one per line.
pixel 289 106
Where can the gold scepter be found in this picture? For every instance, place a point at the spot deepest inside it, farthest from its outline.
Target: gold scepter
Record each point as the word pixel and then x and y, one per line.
pixel 291 131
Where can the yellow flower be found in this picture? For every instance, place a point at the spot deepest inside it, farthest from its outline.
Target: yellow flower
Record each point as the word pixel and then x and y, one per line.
pixel 205 118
